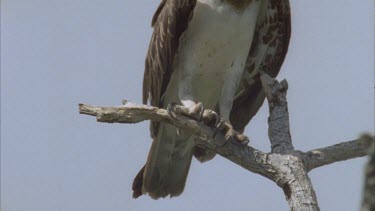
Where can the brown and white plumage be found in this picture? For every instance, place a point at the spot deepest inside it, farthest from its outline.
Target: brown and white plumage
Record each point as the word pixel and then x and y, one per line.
pixel 184 26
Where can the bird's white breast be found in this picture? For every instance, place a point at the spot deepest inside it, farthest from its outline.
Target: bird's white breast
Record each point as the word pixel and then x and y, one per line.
pixel 217 41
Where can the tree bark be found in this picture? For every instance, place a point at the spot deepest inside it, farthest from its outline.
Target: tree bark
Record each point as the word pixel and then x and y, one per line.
pixel 368 203
pixel 287 167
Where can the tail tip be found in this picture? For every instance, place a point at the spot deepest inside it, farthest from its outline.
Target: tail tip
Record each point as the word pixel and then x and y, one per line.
pixel 138 183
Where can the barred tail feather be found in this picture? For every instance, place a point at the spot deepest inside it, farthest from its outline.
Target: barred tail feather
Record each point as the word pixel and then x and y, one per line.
pixel 167 165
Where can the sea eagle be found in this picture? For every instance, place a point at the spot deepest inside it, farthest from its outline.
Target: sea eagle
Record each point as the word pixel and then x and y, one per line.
pixel 210 53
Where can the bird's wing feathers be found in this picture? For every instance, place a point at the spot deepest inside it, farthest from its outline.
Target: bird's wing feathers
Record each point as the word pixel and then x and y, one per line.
pixel 170 22
pixel 267 53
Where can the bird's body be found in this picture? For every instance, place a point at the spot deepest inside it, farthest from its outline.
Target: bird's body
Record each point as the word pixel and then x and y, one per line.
pixel 201 51
pixel 212 55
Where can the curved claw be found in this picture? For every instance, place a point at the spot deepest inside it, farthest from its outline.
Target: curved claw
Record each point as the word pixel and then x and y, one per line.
pixel 197 111
pixel 170 110
pixel 220 124
pixel 217 118
pixel 239 143
pixel 201 115
pixel 236 138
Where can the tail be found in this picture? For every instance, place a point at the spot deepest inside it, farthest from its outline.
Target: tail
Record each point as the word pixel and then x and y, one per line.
pixel 167 165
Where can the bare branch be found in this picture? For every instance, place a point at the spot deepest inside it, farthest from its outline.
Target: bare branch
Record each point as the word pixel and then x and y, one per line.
pixel 245 156
pixel 294 179
pixel 368 203
pixel 297 186
pixel 278 121
pixel 338 152
pixel 287 167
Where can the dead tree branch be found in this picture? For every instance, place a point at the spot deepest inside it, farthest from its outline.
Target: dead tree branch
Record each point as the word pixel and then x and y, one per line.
pixel 287 167
pixel 338 152
pixel 278 121
pixel 368 203
pixel 294 179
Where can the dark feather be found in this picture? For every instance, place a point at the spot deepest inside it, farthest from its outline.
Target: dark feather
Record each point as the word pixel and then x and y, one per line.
pixel 267 54
pixel 169 22
pixel 137 183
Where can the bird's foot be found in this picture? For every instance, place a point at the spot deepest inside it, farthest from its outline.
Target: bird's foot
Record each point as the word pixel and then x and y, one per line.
pixel 209 118
pixel 236 137
pixel 171 109
pixel 195 111
pixel 231 134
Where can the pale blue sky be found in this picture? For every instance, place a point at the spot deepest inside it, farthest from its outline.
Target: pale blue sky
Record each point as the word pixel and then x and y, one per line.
pixel 56 54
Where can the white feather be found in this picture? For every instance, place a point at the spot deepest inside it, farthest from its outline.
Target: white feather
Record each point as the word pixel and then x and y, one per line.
pixel 212 55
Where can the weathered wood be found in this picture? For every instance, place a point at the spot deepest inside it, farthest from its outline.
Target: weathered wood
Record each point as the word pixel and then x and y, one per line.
pixel 338 152
pixel 287 167
pixel 368 202
pixel 278 121
pixel 292 174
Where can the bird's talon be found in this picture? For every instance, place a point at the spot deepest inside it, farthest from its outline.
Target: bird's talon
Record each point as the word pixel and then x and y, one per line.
pixel 200 118
pixel 170 110
pixel 196 111
pixel 236 138
pixel 238 142
pixel 217 119
pixel 220 124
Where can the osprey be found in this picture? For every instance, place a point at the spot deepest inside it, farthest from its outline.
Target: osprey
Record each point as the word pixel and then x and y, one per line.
pixel 211 53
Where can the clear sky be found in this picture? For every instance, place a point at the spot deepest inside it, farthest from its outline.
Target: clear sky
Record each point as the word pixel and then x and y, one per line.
pixel 56 54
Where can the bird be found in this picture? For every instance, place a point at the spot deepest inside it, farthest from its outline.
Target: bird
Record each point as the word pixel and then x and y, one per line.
pixel 206 54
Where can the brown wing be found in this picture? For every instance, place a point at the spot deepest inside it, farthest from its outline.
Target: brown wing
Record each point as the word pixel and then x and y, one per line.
pixel 170 22
pixel 267 54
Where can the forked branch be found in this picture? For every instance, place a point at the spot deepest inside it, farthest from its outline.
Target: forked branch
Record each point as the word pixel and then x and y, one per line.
pixel 287 167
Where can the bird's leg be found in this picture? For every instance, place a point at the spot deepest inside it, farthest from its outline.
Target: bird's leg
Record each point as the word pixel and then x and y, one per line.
pixel 207 116
pixel 234 136
pixel 230 133
pixel 194 111
pixel 191 107
pixel 225 106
